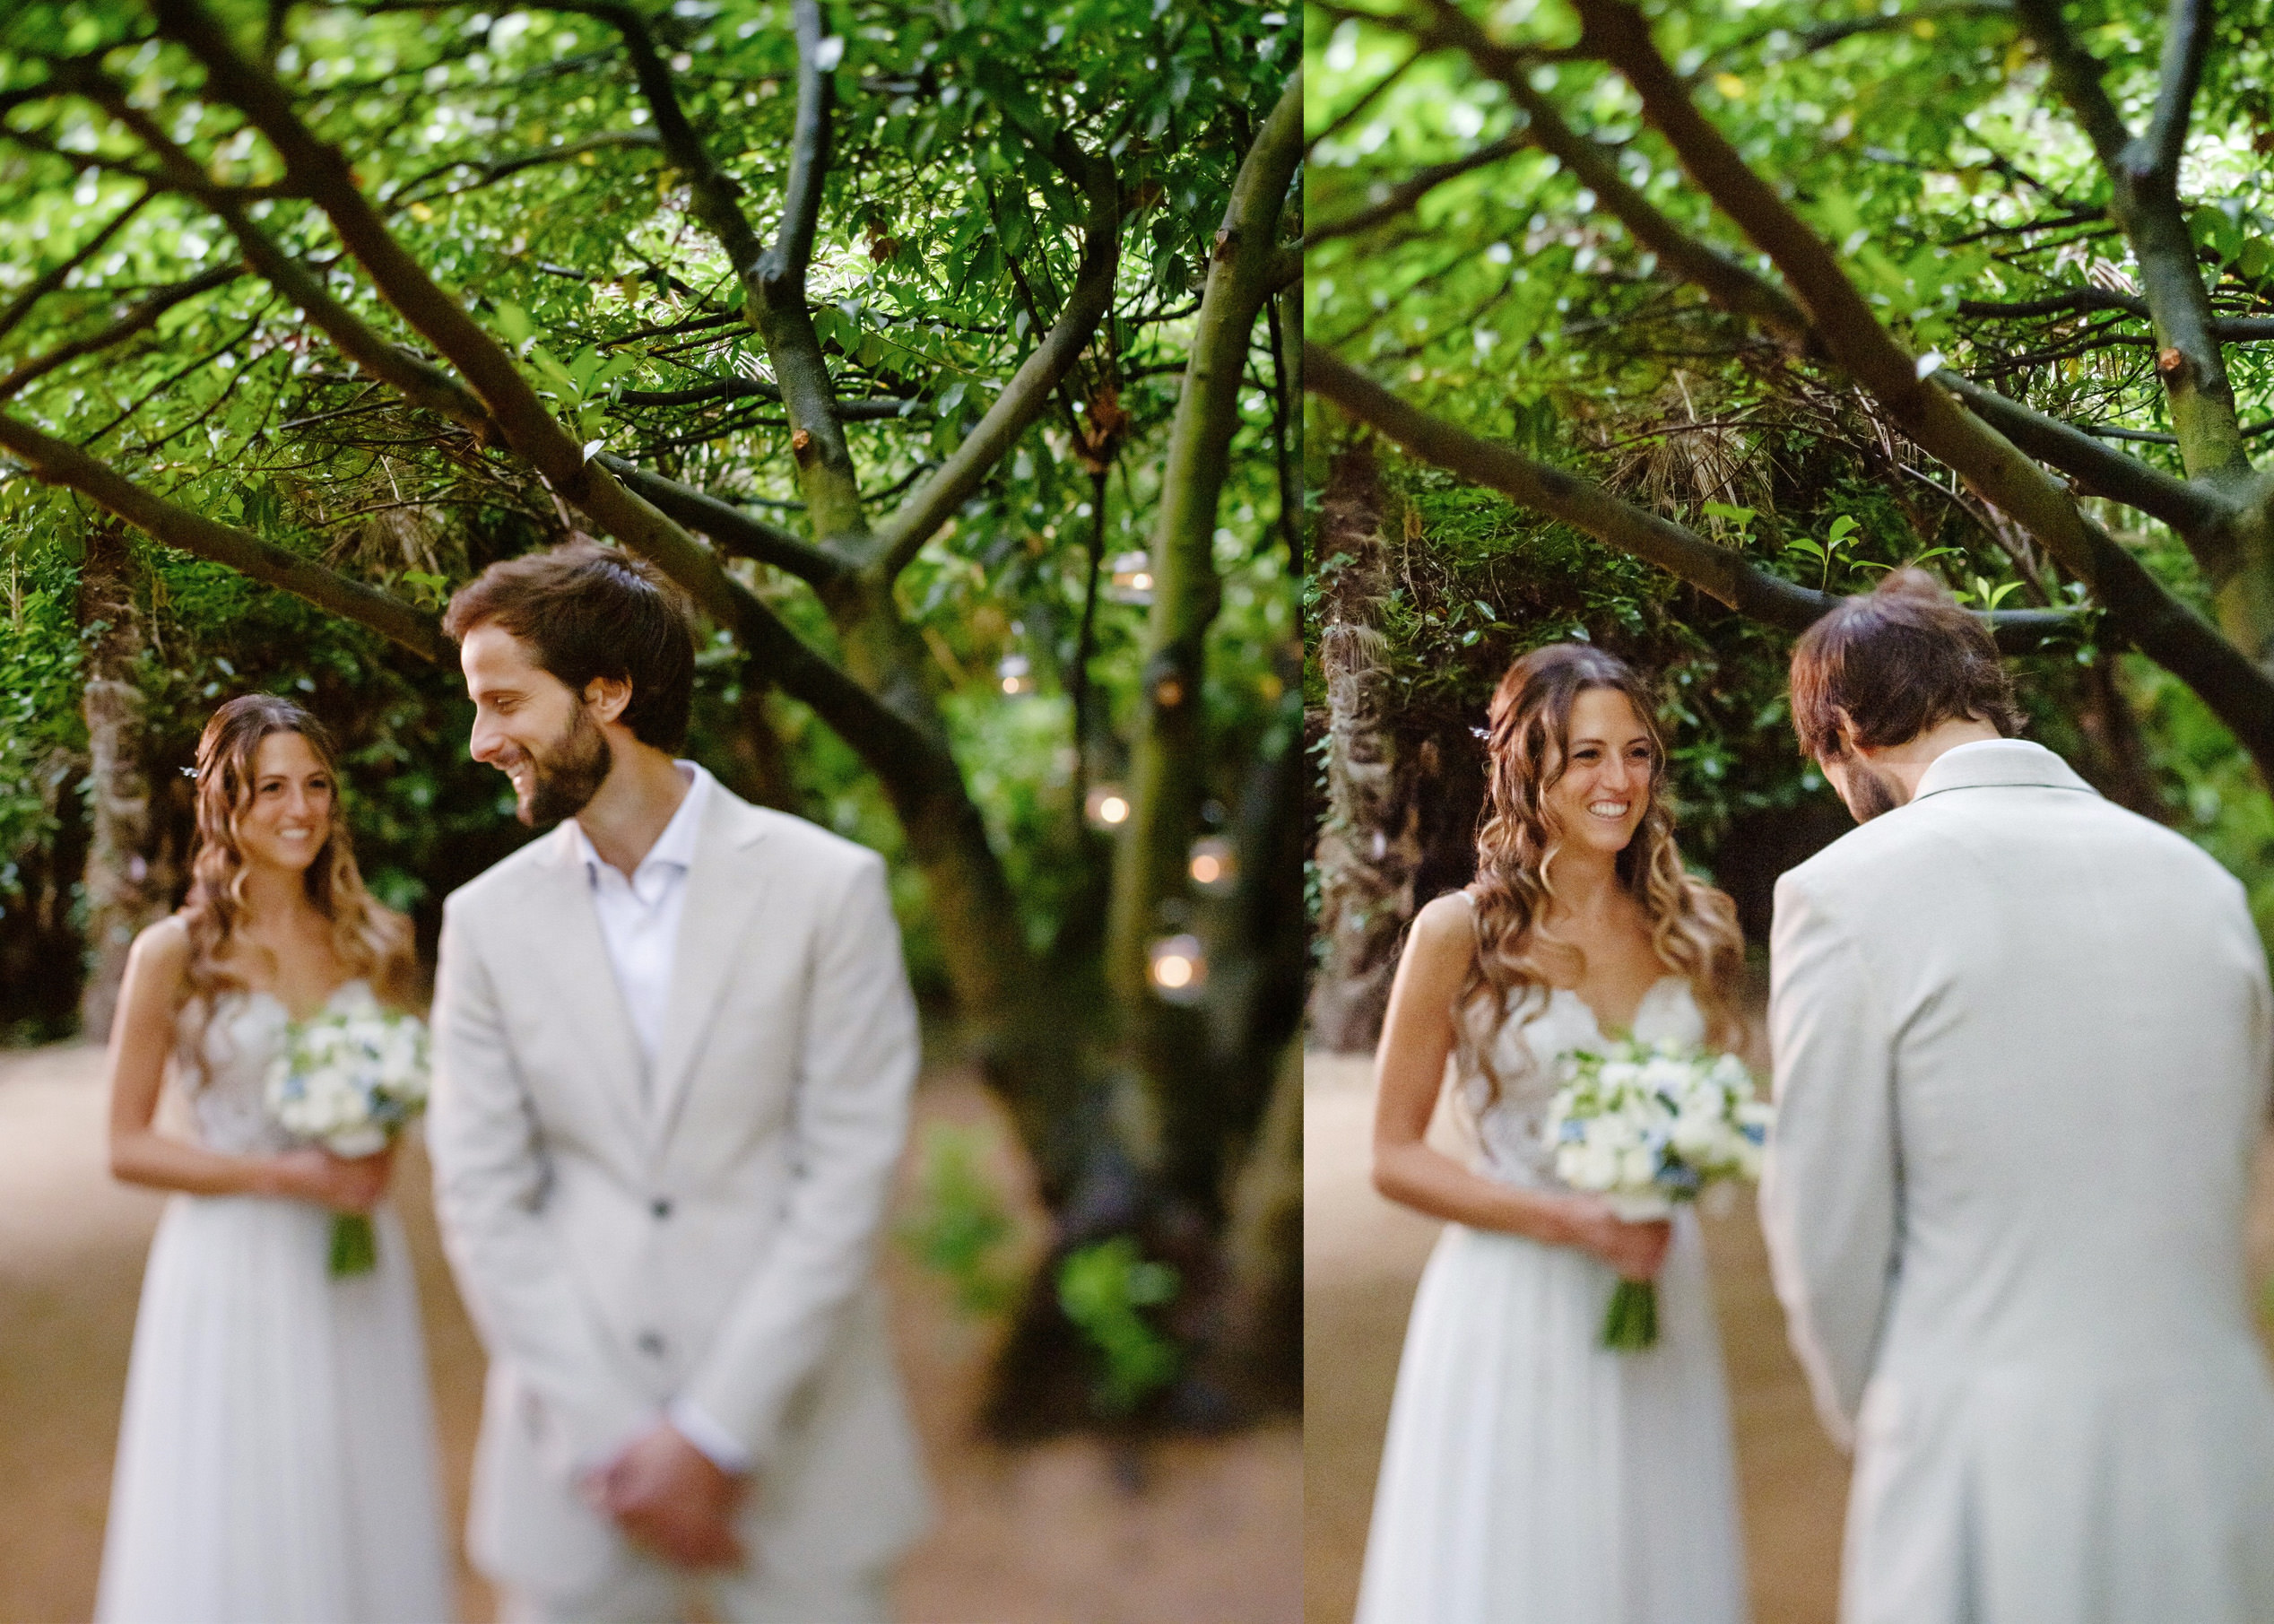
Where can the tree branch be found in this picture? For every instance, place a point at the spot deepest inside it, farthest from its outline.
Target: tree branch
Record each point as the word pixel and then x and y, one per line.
pixel 59 463
pixel 728 526
pixel 2150 437
pixel 1393 201
pixel 1824 36
pixel 49 281
pixel 499 168
pixel 2187 38
pixel 137 318
pixel 1729 285
pixel 773 278
pixel 2144 200
pixel 2077 76
pixel 1349 114
pixel 2197 511
pixel 759 389
pixel 1166 756
pixel 2068 300
pixel 1719 572
pixel 419 380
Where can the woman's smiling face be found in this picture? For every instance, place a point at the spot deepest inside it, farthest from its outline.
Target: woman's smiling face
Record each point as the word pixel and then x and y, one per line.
pixel 1608 757
pixel 290 815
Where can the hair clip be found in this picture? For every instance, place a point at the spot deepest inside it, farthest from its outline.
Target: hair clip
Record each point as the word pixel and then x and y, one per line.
pixel 190 773
pixel 1482 733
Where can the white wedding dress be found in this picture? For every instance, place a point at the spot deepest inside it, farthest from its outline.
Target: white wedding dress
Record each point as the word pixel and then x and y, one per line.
pixel 276 1461
pixel 1531 1475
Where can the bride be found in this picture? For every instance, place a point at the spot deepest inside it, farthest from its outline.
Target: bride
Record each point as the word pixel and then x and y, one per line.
pixel 1531 1476
pixel 276 1457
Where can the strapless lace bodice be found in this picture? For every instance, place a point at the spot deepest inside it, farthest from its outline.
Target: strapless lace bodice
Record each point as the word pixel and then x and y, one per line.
pixel 227 1102
pixel 1543 1025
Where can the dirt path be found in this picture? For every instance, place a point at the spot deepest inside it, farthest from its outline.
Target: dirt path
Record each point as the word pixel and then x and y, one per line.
pixel 1361 1258
pixel 1041 1536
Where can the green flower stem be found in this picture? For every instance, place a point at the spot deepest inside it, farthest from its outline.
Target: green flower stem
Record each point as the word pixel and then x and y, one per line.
pixel 1631 1325
pixel 355 1250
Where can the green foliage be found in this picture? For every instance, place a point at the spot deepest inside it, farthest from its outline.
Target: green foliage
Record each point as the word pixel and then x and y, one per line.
pixel 41 734
pixel 1102 1287
pixel 1933 155
pixel 960 1224
pixel 2208 779
pixel 512 154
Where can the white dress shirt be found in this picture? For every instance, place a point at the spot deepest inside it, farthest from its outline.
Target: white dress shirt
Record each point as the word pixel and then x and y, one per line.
pixel 639 925
pixel 639 915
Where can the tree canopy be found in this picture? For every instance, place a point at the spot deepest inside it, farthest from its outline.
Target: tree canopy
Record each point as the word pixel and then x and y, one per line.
pixel 1739 306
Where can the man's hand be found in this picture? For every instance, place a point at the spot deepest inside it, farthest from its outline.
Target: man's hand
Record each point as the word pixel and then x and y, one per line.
pixel 672 1498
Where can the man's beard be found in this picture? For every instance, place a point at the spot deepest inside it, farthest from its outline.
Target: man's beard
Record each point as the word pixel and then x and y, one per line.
pixel 565 778
pixel 1871 792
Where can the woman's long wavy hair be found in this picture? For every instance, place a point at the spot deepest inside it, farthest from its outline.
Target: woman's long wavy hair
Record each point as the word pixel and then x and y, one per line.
pixel 371 941
pixel 1692 926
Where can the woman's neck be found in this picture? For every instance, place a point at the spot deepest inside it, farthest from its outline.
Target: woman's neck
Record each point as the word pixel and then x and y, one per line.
pixel 1586 885
pixel 273 895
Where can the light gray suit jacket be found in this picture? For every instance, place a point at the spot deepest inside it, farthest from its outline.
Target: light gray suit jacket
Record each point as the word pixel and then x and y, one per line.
pixel 2022 1048
pixel 714 1241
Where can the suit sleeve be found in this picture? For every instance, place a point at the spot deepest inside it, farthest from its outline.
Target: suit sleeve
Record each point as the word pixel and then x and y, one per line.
pixel 491 1176
pixel 1831 1187
pixel 856 1065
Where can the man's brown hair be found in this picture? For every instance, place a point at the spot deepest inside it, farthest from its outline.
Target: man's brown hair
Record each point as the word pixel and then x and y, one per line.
pixel 587 610
pixel 1897 662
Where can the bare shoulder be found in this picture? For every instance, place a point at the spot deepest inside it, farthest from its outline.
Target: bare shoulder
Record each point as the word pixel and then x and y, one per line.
pixel 1444 937
pixel 162 949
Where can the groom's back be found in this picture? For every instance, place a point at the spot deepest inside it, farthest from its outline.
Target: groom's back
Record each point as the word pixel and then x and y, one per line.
pixel 2077 1005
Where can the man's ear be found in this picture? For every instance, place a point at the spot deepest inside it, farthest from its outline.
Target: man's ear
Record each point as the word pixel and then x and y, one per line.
pixel 1845 727
pixel 607 698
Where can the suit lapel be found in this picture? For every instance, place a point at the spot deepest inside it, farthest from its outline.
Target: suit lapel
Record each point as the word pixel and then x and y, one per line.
pixel 723 891
pixel 564 938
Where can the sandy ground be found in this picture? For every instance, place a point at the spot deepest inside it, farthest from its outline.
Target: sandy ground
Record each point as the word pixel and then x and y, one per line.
pixel 1043 1534
pixel 1361 1258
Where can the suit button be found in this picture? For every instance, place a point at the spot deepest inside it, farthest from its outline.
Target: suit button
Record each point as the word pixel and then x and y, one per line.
pixel 651 1344
pixel 660 1207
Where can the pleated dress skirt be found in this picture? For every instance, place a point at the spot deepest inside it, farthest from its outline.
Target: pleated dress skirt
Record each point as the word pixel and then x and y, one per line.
pixel 276 1457
pixel 1533 1476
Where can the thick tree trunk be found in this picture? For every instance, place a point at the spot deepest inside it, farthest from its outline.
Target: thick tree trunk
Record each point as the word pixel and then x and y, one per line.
pixel 1168 758
pixel 2120 765
pixel 124 888
pixel 1256 1354
pixel 1369 848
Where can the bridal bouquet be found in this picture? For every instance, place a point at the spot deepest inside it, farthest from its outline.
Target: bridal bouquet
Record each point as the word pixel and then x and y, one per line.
pixel 1647 1126
pixel 350 1080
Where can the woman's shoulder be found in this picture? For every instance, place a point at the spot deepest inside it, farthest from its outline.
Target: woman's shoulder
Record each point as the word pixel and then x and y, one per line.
pixel 164 947
pixel 1451 915
pixel 1443 934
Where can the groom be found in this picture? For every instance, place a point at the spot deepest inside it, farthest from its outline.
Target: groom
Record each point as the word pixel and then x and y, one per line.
pixel 674 1044
pixel 2022 1063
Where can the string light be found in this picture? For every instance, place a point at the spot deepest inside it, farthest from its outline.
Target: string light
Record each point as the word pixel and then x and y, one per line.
pixel 1107 807
pixel 1132 578
pixel 1213 866
pixel 1177 968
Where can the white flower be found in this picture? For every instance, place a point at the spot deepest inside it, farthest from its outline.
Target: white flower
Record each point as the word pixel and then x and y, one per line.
pixel 1697 1138
pixel 1638 1168
pixel 1649 1125
pixel 348 1079
pixel 1593 1166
